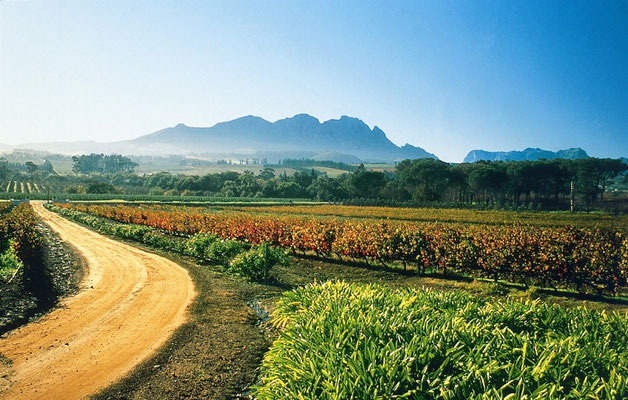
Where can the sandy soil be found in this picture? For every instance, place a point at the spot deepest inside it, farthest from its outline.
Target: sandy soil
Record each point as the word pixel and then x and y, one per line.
pixel 130 304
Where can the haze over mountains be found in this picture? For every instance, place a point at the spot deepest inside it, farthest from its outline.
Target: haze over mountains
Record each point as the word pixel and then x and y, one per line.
pixel 301 135
pixel 345 139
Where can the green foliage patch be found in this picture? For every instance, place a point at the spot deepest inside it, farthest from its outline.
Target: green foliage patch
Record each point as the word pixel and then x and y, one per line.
pixel 257 262
pixel 349 341
pixel 9 263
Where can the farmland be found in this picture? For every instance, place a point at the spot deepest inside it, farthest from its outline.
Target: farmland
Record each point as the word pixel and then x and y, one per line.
pixel 481 217
pixel 372 302
pixel 577 257
pixel 23 187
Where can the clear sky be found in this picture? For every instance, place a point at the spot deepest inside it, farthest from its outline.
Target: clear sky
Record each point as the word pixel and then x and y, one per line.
pixel 449 76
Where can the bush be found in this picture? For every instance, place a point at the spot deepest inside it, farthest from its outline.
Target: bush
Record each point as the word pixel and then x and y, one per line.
pixel 128 231
pixel 211 248
pixel 257 262
pixel 9 262
pixel 222 251
pixel 197 245
pixel 161 241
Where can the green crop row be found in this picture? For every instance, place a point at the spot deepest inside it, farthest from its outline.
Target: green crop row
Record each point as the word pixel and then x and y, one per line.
pixel 146 198
pixel 347 341
pixel 254 263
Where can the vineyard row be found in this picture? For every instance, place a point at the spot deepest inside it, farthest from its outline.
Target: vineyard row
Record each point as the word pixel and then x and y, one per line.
pixel 576 257
pixel 24 187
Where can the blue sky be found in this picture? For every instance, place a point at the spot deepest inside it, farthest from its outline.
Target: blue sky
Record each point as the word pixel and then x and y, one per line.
pixel 449 76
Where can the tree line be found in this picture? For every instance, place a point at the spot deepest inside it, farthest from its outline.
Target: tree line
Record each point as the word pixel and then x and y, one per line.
pixel 543 183
pixel 106 164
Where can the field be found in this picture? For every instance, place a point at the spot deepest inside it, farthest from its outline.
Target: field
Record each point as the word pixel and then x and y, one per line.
pixel 207 169
pixel 121 198
pixel 149 168
pixel 589 254
pixel 23 187
pixel 493 217
pixel 62 166
pixel 371 302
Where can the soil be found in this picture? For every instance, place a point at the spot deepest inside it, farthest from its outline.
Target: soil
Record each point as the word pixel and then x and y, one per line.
pixel 130 304
pixel 215 355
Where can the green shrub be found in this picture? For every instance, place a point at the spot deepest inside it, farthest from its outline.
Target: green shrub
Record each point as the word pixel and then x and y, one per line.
pixel 222 251
pixel 161 241
pixel 342 341
pixel 9 263
pixel 197 245
pixel 257 262
pixel 129 231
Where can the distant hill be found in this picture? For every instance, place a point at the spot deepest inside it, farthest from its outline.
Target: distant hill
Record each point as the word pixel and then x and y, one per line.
pixel 347 136
pixel 347 139
pixel 529 154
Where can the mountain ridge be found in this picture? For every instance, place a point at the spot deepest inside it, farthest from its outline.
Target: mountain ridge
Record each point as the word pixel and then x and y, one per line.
pixel 528 154
pixel 251 134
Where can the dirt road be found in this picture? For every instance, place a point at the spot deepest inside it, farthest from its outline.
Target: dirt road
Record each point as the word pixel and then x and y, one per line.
pixel 130 304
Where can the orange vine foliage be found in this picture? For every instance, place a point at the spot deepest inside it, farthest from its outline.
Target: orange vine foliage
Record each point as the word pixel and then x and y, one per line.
pixel 565 256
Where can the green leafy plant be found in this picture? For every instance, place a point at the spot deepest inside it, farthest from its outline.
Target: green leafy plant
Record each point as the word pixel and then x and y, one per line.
pixel 350 341
pixel 9 262
pixel 198 245
pixel 222 251
pixel 257 262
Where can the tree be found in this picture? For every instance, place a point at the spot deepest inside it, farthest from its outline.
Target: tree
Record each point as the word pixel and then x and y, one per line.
pixel 425 178
pixel 267 173
pixel 111 164
pixel 100 188
pixel 327 189
pixel 593 175
pixel 4 169
pixel 31 167
pixel 488 178
pixel 47 167
pixel 290 190
pixel 366 184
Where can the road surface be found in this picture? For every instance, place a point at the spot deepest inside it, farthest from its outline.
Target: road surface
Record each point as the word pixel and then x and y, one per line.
pixel 130 303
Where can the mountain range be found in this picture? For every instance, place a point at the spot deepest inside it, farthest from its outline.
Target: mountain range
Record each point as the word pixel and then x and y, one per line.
pixel 529 154
pixel 304 135
pixel 345 139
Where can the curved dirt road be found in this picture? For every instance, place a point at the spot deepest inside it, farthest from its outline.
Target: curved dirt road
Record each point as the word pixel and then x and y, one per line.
pixel 130 304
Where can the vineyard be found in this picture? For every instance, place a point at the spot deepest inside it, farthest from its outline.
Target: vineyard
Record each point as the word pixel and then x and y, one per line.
pixel 482 217
pixel 342 340
pixel 253 262
pixel 584 258
pixel 22 187
pixel 19 239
